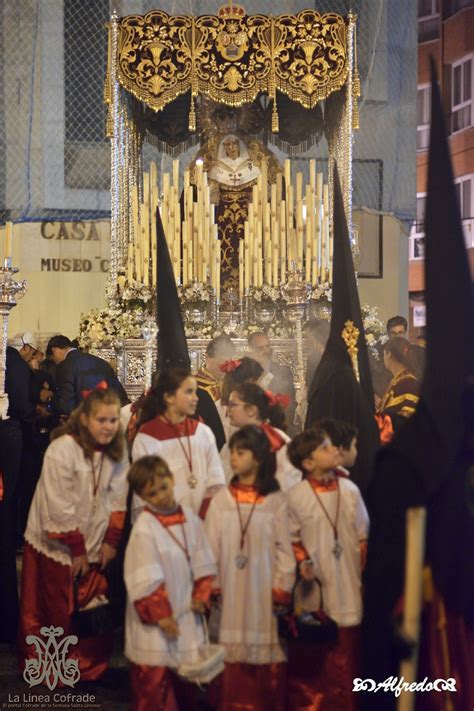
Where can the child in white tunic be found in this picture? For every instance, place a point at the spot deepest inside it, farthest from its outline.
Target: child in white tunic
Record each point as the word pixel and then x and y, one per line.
pixel 74 526
pixel 247 527
pixel 248 404
pixel 329 525
pixel 167 430
pixel 169 568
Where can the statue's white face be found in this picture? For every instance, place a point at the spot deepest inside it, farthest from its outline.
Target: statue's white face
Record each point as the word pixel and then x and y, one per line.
pixel 232 148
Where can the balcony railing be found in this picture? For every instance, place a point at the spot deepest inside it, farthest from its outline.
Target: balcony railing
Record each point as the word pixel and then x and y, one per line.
pixel 428 28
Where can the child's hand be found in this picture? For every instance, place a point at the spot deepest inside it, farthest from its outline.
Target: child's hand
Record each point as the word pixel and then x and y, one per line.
pixel 198 606
pixel 169 627
pixel 79 566
pixel 307 570
pixel 106 554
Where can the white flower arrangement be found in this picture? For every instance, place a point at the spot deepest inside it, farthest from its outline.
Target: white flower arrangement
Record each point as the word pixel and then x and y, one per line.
pixel 195 292
pixel 135 291
pixel 321 292
pixel 207 330
pixel 266 293
pixel 101 327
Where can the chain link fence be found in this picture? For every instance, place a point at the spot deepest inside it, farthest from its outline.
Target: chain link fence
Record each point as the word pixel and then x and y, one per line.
pixel 55 159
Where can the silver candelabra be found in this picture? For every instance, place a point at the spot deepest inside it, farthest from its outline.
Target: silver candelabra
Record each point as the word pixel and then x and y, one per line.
pixel 10 292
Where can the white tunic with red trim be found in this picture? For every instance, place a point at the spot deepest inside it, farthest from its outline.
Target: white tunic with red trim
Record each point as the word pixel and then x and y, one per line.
pixel 248 626
pixel 156 567
pixel 286 473
pixel 311 529
pixel 64 499
pixel 197 441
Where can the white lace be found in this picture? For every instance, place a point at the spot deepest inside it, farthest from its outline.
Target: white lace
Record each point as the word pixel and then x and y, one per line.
pixel 254 653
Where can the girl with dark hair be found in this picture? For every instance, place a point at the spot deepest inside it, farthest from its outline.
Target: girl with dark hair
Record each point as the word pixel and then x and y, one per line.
pixel 74 527
pixel 244 370
pixel 167 430
pixel 403 392
pixel 250 405
pixel 247 527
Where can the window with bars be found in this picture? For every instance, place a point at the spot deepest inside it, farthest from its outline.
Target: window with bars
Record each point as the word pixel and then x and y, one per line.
pixel 461 95
pixel 420 213
pixel 463 188
pixel 423 117
pixel 428 20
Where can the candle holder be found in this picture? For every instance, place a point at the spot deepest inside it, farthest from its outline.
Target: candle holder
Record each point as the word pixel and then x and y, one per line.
pixel 11 291
pixel 149 333
pixel 296 295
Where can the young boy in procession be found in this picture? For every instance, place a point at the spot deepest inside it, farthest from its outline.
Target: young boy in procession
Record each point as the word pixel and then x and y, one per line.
pixel 343 435
pixel 329 526
pixel 169 568
pixel 248 529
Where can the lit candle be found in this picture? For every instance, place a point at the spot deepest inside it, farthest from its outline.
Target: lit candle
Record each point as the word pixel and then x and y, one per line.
pixel 247 261
pixel 8 244
pixel 176 175
pixel 267 245
pixel 241 269
pixel 145 244
pixel 312 175
pixel 319 185
pixel 283 254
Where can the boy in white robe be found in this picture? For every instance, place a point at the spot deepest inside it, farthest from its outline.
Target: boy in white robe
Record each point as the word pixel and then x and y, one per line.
pixel 329 525
pixel 169 569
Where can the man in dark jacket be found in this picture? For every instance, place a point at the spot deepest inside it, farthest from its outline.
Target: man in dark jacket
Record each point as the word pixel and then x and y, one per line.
pixel 277 378
pixel 77 371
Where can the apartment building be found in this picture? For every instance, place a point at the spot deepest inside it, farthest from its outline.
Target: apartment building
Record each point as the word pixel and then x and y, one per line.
pixel 446 32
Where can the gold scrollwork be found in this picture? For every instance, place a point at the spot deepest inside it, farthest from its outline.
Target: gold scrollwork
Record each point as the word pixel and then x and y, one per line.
pixel 231 57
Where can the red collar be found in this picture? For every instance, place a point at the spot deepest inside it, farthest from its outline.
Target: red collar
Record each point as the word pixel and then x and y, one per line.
pixel 171 519
pixel 329 484
pixel 245 494
pixel 162 430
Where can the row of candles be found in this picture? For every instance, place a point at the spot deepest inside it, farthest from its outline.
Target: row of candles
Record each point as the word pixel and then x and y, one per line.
pixel 287 228
pixel 7 253
pixel 189 227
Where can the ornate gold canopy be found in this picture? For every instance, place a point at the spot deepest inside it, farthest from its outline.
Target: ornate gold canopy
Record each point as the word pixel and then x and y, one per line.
pixel 231 57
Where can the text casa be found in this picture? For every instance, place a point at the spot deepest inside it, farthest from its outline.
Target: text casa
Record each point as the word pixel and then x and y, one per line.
pixel 80 231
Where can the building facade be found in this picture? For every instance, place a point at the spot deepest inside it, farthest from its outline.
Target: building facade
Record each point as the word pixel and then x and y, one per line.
pixel 445 31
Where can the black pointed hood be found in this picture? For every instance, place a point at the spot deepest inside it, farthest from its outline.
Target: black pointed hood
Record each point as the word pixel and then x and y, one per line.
pixel 172 345
pixel 335 391
pixel 427 462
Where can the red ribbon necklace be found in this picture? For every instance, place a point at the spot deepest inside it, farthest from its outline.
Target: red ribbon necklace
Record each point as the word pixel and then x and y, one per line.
pixel 192 481
pixel 337 548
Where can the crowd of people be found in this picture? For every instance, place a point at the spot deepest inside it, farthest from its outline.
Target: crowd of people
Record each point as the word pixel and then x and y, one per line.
pixel 223 506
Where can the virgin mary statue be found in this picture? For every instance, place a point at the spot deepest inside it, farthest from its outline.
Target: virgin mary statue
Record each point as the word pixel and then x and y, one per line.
pixel 233 163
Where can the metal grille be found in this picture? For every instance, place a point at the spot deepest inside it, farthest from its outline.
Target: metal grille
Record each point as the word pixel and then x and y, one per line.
pixel 55 161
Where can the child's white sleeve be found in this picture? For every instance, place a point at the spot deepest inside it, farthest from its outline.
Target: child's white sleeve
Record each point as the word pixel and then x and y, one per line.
pixel 212 527
pixel 285 562
pixel 202 558
pixel 143 571
pixel 361 520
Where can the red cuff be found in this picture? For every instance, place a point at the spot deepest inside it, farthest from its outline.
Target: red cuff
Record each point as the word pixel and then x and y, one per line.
pixel 74 540
pixel 113 533
pixel 204 507
pixel 281 597
pixel 155 607
pixel 202 589
pixel 363 545
pixel 300 552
